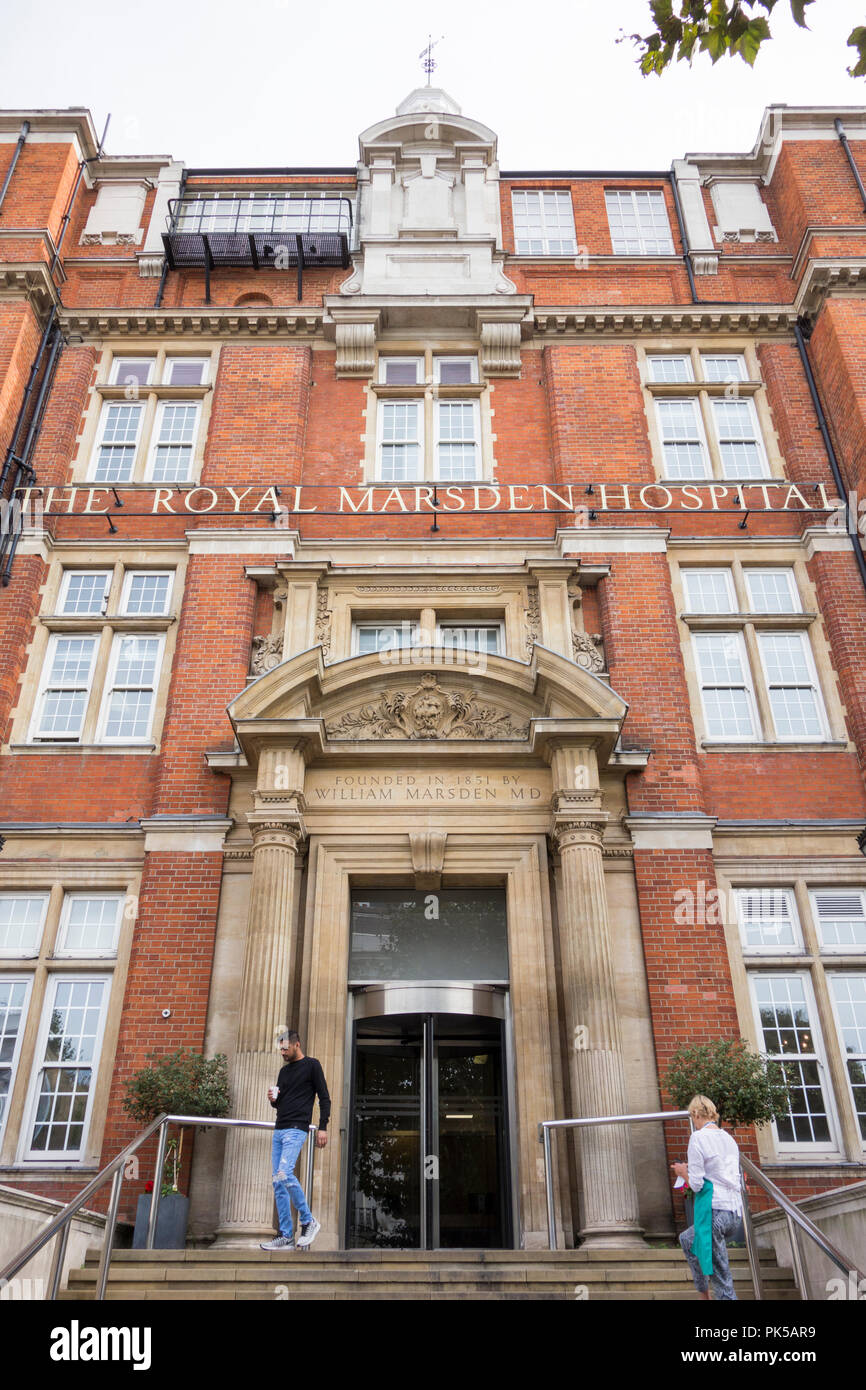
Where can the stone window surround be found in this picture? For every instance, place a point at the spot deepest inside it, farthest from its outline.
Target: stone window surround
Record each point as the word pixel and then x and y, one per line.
pixel 507 599
pixel 49 620
pixel 802 877
pixel 153 395
pixel 430 391
pixel 749 623
pixel 59 880
pixel 702 390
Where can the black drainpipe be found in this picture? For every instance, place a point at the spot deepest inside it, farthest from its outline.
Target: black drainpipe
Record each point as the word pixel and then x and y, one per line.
pixel 850 529
pixel 11 456
pixel 854 170
pixel 23 467
pixel 687 253
pixel 25 128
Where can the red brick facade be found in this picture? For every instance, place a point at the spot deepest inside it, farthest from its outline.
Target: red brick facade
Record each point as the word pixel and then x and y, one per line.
pixel 281 414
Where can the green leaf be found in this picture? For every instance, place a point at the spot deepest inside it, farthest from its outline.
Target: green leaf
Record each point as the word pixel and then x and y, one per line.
pixel 798 10
pixel 749 44
pixel 714 43
pixel 857 39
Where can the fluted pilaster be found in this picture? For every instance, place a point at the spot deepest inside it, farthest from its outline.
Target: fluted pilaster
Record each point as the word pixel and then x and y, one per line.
pixel 247 1197
pixel 608 1189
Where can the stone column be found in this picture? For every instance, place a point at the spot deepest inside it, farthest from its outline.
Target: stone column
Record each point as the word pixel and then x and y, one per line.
pixel 609 1203
pixel 247 1195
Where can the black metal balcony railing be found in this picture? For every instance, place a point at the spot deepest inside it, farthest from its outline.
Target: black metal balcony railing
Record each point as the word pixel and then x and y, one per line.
pixel 259 233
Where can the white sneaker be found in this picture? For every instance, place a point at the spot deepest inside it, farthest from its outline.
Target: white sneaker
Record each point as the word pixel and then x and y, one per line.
pixel 308 1234
pixel 278 1243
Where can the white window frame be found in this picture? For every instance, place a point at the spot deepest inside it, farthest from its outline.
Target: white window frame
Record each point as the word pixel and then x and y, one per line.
pixel 657 357
pixel 796 948
pixel 50 1158
pixel 419 439
pixel 63 951
pixel 45 684
pixel 793 591
pixel 827 948
pixel 801 1146
pixel 6 952
pixel 795 634
pixel 387 358
pixel 116 380
pixel 483 625
pixel 65 585
pixel 688 571
pixel 757 439
pixel 107 406
pixel 128 578
pixel 403 625
pixel 756 735
pixel 641 232
pixel 701 438
pixel 109 687
pixel 156 443
pixel 172 359
pixel 451 357
pixel 847 1057
pixel 476 440
pixel 13 1063
pixel 564 200
pixel 738 357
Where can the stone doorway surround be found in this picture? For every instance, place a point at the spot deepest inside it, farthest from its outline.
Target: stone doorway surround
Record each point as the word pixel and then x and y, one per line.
pixel 408 774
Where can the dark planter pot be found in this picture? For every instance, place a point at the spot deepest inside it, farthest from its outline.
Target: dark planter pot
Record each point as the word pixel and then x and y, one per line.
pixel 171 1222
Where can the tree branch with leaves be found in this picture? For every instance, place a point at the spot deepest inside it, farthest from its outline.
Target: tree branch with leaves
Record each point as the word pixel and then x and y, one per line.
pixel 732 28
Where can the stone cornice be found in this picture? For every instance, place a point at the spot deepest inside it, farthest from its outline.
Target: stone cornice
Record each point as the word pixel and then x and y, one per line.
pixel 28 280
pixel 258 322
pixel 562 323
pixel 826 275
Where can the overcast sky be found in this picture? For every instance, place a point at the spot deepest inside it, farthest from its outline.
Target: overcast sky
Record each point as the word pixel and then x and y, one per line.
pixel 277 82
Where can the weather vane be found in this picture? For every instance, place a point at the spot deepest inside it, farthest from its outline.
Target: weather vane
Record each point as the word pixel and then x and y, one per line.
pixel 428 62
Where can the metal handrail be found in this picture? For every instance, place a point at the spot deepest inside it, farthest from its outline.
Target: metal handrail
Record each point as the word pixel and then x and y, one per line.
pixel 796 1219
pixel 61 1223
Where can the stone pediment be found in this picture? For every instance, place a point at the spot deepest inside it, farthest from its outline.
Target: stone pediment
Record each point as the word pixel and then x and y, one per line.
pixel 302 701
pixel 427 711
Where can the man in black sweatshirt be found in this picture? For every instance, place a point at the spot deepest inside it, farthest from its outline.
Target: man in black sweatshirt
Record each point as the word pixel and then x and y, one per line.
pixel 299 1082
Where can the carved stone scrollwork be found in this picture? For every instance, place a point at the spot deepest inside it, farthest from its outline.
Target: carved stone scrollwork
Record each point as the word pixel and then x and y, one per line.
pixel 588 650
pixel 267 653
pixel 532 614
pixel 500 349
pixel 428 857
pixel 427 712
pixel 356 347
pixel 323 623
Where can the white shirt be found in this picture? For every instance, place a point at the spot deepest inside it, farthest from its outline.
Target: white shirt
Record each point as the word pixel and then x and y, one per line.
pixel 714 1154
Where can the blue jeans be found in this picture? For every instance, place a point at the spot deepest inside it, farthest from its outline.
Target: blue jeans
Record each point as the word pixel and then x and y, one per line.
pixel 286 1147
pixel 720 1281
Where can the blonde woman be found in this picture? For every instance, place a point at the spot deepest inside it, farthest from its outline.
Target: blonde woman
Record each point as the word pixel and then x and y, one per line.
pixel 713 1174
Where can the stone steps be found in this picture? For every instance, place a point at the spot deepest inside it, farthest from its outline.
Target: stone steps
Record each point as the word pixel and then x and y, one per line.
pixel 240 1275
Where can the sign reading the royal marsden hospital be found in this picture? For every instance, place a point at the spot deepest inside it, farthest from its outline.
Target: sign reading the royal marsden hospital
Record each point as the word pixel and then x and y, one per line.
pixel 470 499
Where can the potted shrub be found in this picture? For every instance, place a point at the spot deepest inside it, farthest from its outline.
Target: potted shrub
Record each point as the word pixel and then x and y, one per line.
pixel 746 1088
pixel 181 1083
